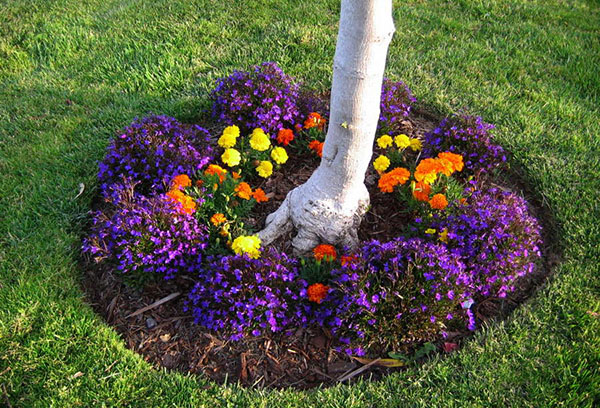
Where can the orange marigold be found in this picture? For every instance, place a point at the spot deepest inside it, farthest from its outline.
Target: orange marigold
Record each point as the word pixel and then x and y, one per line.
pixel 324 251
pixel 421 191
pixel 438 202
pixel 317 292
pixel 216 169
pixel 455 159
pixel 348 259
pixel 187 205
pixel 392 178
pixel 243 190
pixel 427 170
pixel 218 219
pixel 260 196
pixel 236 175
pixel 317 147
pixel 285 136
pixel 180 181
pixel 314 120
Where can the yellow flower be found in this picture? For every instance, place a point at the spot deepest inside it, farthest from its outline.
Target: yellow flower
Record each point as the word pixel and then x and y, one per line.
pixel 415 145
pixel 381 163
pixel 229 136
pixel 385 141
pixel 247 245
pixel 259 140
pixel 430 231
pixel 265 169
pixel 443 236
pixel 279 155
pixel 402 141
pixel 232 130
pixel 231 157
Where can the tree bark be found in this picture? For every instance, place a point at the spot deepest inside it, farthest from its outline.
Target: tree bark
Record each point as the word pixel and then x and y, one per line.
pixel 330 205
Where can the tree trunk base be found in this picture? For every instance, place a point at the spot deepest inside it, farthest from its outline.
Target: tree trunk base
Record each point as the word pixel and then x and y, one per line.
pixel 317 218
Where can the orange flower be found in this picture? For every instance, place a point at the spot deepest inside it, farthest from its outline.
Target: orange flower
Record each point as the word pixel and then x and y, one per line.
pixel 180 181
pixel 427 170
pixel 392 178
pixel 236 175
pixel 187 205
pixel 324 251
pixel 218 219
pixel 421 191
pixel 285 136
pixel 348 259
pixel 317 147
pixel 216 169
pixel 438 202
pixel 260 196
pixel 317 292
pixel 243 190
pixel 314 120
pixel 455 159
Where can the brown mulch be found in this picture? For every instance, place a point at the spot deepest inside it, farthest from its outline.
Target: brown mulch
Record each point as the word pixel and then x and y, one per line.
pixel 166 337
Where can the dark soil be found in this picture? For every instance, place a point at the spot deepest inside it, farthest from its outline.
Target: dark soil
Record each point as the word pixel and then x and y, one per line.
pixel 166 337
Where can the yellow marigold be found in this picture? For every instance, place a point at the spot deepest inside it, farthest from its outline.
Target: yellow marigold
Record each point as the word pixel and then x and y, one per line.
pixel 265 168
pixel 232 130
pixel 455 159
pixel 218 219
pixel 443 236
pixel 430 231
pixel 391 179
pixel 438 202
pixel 229 137
pixel 421 191
pixel 427 170
pixel 231 157
pixel 324 251
pixel 381 163
pixel 259 140
pixel 260 196
pixel 415 144
pixel 285 136
pixel 385 141
pixel 317 292
pixel 243 190
pixel 216 169
pixel 279 155
pixel 402 141
pixel 180 181
pixel 249 245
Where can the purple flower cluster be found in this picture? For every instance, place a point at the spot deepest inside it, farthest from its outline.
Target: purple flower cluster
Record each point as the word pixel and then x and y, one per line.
pixel 468 136
pixel 262 98
pixel 145 235
pixel 496 238
pixel 396 104
pixel 245 296
pixel 153 150
pixel 396 293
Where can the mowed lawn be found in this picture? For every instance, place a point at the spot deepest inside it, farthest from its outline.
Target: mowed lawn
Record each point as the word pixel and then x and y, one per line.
pixel 73 72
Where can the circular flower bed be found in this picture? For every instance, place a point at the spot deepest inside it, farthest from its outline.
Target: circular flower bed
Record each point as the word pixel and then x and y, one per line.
pixel 182 206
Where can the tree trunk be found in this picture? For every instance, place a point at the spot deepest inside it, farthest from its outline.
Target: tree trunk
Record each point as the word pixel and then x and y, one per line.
pixel 330 205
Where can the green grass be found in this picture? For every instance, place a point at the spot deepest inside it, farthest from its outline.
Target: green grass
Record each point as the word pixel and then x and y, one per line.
pixel 73 72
